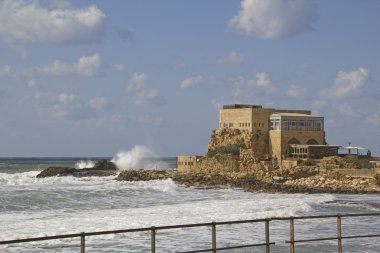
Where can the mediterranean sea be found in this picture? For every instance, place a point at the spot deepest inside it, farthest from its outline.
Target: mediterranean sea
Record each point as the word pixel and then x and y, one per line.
pixel 31 207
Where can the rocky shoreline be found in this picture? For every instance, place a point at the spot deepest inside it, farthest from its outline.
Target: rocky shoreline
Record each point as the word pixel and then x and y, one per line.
pixel 314 183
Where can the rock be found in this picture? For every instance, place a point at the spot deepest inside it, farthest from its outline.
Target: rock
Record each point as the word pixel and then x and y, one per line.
pixel 57 171
pixel 144 175
pixel 104 165
pixel 101 168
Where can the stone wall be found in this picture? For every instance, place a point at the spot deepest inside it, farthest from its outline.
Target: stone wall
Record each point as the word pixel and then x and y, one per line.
pixel 217 164
pixel 187 163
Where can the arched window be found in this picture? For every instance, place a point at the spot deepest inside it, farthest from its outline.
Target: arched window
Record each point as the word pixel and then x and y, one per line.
pixel 312 141
pixel 294 141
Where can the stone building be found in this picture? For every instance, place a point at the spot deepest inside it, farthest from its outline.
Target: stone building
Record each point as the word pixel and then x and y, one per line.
pixel 275 134
pixel 279 133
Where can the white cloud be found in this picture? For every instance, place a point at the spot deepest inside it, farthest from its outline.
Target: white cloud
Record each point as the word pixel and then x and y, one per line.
pixel 119 67
pixel 56 68
pixel 140 91
pixel 98 103
pixel 6 70
pixel 232 58
pixel 28 21
pixel 263 82
pixel 191 81
pixel 32 83
pixel 248 90
pixel 66 97
pixel 274 18
pixel 346 84
pixel 89 65
pixel 42 98
pixel 374 118
pixel 85 66
pixel 348 110
pixel 63 105
pixel 296 91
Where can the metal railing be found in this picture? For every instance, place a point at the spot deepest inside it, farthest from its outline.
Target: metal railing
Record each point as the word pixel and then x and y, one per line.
pixel 213 226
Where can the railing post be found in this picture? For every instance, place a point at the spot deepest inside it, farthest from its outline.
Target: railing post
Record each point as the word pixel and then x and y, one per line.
pixel 213 237
pixel 153 239
pixel 82 243
pixel 267 248
pixel 339 224
pixel 292 235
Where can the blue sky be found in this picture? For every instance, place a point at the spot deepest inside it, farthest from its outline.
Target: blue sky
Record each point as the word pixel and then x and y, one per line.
pixel 91 78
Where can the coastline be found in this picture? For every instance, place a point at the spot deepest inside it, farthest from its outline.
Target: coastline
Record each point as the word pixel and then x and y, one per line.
pixel 327 183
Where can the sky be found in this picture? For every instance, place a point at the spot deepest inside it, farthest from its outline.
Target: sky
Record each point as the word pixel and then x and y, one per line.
pixel 92 78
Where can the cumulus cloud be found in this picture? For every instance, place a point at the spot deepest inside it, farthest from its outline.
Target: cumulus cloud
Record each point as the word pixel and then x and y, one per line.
pixel 274 18
pixel 346 84
pixel 119 67
pixel 248 89
pixel 89 66
pixel 66 98
pixel 98 102
pixel 192 81
pixel 31 22
pixel 62 105
pixel 263 81
pixel 6 70
pixel 296 91
pixel 32 83
pixel 232 58
pixel 374 118
pixel 141 92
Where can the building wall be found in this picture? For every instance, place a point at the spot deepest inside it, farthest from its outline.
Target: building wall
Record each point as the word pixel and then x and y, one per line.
pixel 236 118
pixel 187 163
pixel 275 147
pixel 279 141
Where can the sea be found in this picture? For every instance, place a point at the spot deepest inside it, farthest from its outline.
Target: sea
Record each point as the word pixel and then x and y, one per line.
pixel 36 207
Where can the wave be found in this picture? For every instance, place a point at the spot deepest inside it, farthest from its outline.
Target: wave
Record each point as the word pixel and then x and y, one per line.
pixel 84 164
pixel 139 157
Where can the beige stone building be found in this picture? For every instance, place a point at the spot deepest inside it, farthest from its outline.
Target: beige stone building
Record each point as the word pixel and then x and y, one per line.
pixel 275 134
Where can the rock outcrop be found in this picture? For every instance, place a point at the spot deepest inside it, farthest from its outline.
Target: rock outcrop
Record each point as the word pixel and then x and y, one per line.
pixel 57 171
pixel 104 165
pixel 228 136
pixel 336 182
pixel 144 175
pixel 335 162
pixel 101 168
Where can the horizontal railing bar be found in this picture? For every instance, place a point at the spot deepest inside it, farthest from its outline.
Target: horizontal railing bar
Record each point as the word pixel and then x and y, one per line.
pixel 44 238
pixel 314 240
pixel 325 216
pixel 334 238
pixel 360 236
pixel 229 247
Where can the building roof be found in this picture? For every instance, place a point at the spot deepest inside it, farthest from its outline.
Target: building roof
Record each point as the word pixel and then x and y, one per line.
pixel 289 114
pixel 238 106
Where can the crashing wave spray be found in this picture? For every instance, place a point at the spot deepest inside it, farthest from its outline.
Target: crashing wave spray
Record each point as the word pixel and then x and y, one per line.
pixel 84 164
pixel 136 158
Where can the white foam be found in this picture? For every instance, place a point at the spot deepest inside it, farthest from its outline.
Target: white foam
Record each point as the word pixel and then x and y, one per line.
pixel 136 158
pixel 84 164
